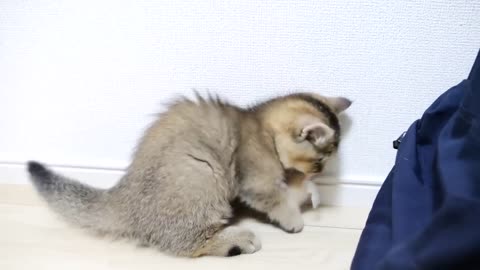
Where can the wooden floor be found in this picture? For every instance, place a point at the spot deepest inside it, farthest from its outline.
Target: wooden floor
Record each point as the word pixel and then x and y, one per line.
pixel 31 237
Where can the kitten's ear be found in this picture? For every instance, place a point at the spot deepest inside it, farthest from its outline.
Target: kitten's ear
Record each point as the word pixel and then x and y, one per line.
pixel 339 104
pixel 317 133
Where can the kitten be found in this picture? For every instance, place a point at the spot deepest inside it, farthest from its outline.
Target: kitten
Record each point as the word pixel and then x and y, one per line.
pixel 194 160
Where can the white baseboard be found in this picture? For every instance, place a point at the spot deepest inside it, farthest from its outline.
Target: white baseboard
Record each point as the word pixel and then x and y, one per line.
pixel 344 193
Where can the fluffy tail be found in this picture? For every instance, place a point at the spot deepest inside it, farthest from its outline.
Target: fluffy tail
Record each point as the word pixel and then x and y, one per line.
pixel 77 203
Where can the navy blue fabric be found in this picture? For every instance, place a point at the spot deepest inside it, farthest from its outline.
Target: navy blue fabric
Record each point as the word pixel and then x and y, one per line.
pixel 427 212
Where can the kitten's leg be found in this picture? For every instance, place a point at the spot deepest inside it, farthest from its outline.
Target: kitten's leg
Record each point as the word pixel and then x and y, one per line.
pixel 230 241
pixel 287 216
pixel 271 197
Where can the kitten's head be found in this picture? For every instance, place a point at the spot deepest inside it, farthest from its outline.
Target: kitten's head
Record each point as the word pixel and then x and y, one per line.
pixel 306 129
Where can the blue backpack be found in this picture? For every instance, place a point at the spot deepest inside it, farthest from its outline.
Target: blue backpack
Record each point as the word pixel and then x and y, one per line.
pixel 427 212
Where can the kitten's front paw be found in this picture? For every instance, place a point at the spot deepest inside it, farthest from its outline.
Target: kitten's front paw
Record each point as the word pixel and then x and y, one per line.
pixel 288 218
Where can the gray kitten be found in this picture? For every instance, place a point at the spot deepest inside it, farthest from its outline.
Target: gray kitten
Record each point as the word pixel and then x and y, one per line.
pixel 194 160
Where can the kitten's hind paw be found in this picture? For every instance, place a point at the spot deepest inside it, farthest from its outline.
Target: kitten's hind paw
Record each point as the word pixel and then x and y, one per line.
pixel 231 241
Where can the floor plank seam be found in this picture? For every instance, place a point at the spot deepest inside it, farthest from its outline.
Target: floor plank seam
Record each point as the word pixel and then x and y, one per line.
pixel 334 227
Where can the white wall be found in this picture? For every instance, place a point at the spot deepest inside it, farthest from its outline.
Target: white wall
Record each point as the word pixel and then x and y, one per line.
pixel 79 80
